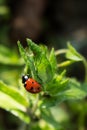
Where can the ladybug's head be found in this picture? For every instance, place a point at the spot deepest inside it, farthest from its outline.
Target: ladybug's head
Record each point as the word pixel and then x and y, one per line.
pixel 24 78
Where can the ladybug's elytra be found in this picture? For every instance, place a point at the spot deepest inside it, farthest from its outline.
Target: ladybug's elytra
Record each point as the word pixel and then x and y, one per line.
pixel 30 84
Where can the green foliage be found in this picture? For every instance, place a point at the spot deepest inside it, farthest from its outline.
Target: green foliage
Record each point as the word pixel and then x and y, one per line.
pixel 4 10
pixel 9 57
pixel 12 100
pixel 45 107
pixel 10 65
pixel 72 54
pixel 42 66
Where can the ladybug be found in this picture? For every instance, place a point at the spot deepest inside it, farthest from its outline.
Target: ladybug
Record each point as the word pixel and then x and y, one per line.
pixel 30 84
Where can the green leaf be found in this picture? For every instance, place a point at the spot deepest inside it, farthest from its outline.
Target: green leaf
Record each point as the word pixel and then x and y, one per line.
pixel 57 85
pixel 74 91
pixel 22 51
pixel 72 54
pixel 22 115
pixel 34 47
pixel 8 103
pixel 50 101
pixel 13 101
pixel 48 117
pixel 13 93
pixel 29 59
pixel 31 66
pixel 11 105
pixel 40 65
pixel 53 61
pixel 44 69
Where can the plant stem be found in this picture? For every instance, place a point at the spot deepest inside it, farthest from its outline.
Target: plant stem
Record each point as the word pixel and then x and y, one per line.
pixel 36 104
pixel 31 113
pixel 85 66
pixel 61 51
pixel 81 120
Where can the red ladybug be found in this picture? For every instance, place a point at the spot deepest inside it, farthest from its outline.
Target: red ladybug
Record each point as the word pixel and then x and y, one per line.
pixel 30 84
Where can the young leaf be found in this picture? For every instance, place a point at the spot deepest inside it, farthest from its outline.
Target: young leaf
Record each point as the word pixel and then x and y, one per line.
pixel 53 61
pixel 34 47
pixel 74 91
pixel 57 85
pixel 31 65
pixel 22 51
pixel 44 69
pixel 29 59
pixel 72 54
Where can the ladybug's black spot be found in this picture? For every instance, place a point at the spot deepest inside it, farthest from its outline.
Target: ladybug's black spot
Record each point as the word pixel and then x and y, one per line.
pixel 38 88
pixel 32 82
pixel 31 88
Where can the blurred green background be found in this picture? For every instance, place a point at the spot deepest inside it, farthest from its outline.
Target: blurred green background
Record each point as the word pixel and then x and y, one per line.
pixel 44 21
